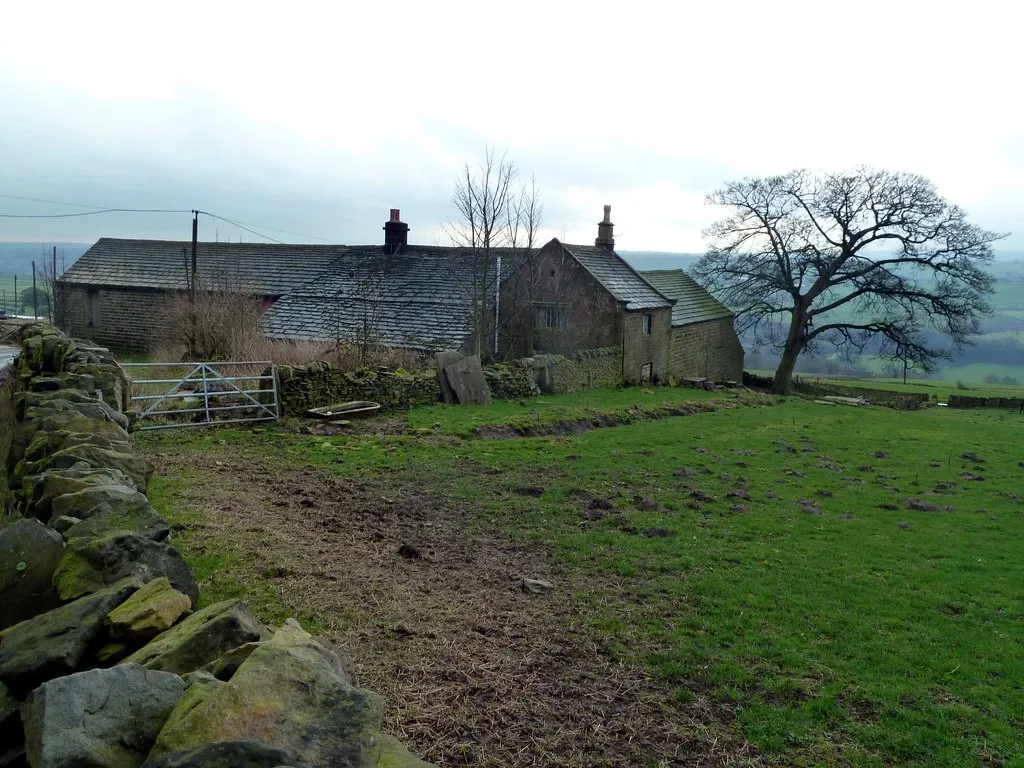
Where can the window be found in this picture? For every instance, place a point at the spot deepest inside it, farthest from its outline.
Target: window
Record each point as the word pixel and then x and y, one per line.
pixel 94 309
pixel 548 317
pixel 647 323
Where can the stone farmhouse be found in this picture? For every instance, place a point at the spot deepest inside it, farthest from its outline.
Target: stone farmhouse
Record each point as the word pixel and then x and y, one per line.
pixel 560 299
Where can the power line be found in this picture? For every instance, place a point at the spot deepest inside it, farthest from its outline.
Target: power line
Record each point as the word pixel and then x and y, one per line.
pixel 101 210
pixel 236 224
pixel 87 213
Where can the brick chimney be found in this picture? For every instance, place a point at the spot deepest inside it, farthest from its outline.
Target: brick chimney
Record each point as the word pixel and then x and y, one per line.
pixel 604 231
pixel 396 233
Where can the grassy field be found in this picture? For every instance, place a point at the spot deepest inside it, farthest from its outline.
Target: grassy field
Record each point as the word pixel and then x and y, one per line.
pixel 942 388
pixel 844 583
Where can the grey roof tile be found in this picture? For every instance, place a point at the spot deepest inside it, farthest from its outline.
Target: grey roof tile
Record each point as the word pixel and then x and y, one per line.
pixel 619 279
pixel 693 303
pixel 266 269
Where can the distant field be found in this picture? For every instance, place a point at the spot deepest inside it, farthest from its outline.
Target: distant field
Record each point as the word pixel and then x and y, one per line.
pixel 8 294
pixel 941 388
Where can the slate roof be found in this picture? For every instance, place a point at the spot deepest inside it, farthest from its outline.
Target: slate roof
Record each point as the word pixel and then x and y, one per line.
pixel 266 269
pixel 420 298
pixel 693 303
pixel 620 280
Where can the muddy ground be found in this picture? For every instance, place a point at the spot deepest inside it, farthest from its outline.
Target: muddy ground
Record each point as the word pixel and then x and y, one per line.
pixel 430 607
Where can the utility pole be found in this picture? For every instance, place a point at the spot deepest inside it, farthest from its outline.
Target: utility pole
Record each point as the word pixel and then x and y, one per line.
pixel 195 244
pixel 35 294
pixel 16 307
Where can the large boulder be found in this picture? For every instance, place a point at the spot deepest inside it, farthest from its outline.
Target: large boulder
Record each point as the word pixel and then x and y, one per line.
pixel 200 639
pixel 84 502
pixel 54 643
pixel 29 553
pixel 199 687
pixel 87 565
pixel 40 491
pixel 291 693
pixel 134 515
pixel 226 754
pixel 102 718
pixel 105 434
pixel 136 467
pixel 152 610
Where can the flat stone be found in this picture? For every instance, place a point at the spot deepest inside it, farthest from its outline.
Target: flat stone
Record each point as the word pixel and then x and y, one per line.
pixel 86 502
pixel 29 553
pixel 290 694
pixel 102 718
pixel 201 638
pixel 54 643
pixel 152 610
pixel 134 515
pixel 226 754
pixel 136 467
pixel 41 490
pixel 87 564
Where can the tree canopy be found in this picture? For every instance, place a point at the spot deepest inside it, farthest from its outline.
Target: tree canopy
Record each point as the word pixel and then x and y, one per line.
pixel 866 257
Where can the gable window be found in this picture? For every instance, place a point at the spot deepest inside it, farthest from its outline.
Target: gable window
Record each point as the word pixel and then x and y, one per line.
pixel 647 323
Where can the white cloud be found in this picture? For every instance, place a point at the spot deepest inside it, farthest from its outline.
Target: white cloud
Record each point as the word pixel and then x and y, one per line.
pixel 291 113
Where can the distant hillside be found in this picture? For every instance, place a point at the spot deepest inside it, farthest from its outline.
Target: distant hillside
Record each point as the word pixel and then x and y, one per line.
pixel 17 258
pixel 659 259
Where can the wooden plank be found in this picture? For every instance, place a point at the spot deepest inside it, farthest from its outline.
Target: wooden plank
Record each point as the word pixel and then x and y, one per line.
pixel 466 378
pixel 445 359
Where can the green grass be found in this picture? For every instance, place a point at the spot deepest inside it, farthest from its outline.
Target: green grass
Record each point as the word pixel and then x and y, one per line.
pixel 753 560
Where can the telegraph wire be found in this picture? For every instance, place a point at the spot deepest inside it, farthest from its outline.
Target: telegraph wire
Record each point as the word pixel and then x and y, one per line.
pixel 87 213
pixel 101 210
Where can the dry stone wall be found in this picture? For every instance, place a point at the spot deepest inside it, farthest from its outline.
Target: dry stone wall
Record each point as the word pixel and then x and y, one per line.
pixel 318 384
pixel 970 401
pixel 106 659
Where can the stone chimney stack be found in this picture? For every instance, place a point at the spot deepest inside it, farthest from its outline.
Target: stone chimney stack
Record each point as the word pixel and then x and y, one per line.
pixel 605 239
pixel 396 233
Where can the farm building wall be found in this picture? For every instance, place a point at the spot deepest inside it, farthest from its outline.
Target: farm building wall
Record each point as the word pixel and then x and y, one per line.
pixel 710 350
pixel 644 344
pixel 554 306
pixel 122 319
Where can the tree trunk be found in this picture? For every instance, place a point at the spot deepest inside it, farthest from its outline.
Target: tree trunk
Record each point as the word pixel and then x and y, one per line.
pixel 782 384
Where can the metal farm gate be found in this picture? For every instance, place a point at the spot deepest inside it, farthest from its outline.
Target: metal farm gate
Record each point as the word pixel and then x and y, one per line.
pixel 175 395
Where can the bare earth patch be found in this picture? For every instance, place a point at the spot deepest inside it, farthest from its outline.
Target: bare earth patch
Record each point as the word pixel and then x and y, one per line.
pixel 476 670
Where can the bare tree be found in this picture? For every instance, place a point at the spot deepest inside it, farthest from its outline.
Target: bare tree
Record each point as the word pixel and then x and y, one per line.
pixel 858 259
pixel 525 217
pixel 357 306
pixel 482 200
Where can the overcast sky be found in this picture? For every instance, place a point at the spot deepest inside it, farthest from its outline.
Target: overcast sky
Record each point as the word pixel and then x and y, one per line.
pixel 319 117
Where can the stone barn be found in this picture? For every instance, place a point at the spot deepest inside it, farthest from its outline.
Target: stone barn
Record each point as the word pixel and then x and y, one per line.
pixel 702 342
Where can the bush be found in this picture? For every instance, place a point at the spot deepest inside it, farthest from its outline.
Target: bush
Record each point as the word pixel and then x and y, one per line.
pixel 991 378
pixel 1010 381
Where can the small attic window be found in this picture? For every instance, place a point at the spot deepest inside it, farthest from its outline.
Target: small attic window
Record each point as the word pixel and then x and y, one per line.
pixel 647 323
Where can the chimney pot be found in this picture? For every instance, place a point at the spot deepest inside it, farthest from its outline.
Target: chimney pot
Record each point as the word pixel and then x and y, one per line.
pixel 605 229
pixel 396 233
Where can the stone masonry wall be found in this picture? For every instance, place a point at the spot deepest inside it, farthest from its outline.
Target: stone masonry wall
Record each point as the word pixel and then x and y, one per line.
pixel 128 321
pixel 641 348
pixel 970 401
pixel 106 657
pixel 591 369
pixel 318 384
pixel 709 350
